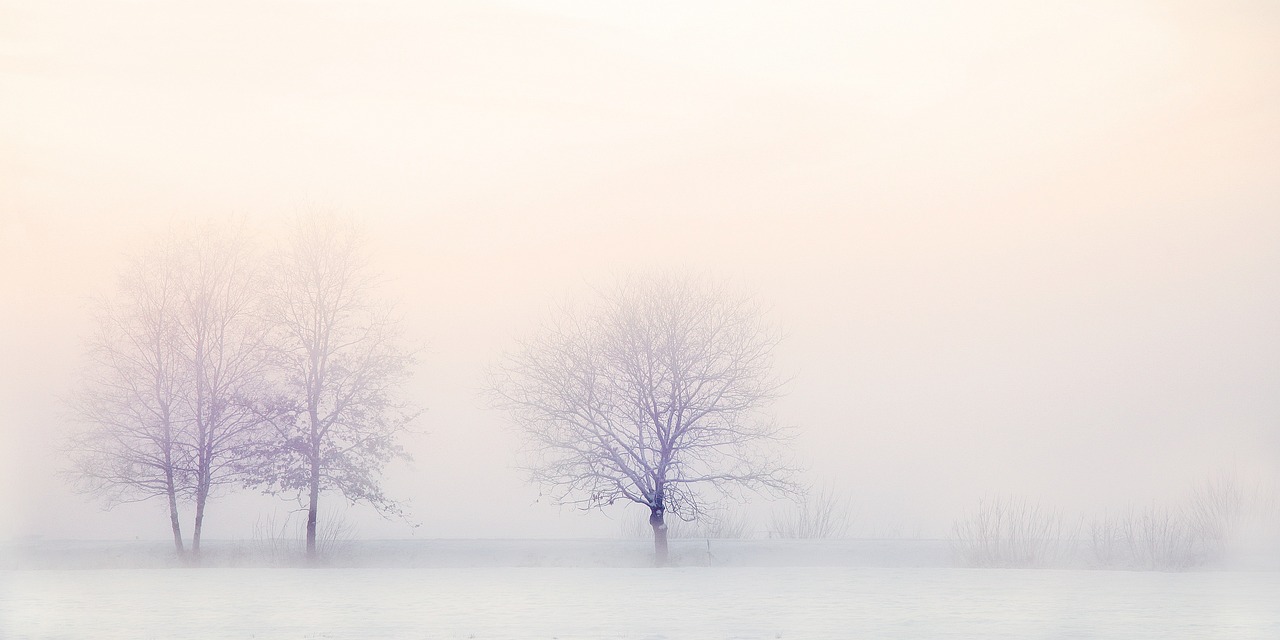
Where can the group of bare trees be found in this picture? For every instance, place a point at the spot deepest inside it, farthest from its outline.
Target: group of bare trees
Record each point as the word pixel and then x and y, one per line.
pixel 217 366
pixel 214 365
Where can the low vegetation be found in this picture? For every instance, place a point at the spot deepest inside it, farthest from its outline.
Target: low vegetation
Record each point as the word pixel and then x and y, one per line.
pixel 1216 519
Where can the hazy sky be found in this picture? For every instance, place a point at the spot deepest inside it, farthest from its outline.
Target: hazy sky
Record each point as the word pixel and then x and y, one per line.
pixel 1018 247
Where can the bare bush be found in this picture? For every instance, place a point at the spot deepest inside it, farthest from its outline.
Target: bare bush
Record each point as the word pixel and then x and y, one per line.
pixel 333 537
pixel 1109 540
pixel 1163 538
pixel 820 515
pixel 273 539
pixel 726 525
pixel 1199 530
pixel 1259 527
pixel 1010 532
pixel 283 541
pixel 1216 512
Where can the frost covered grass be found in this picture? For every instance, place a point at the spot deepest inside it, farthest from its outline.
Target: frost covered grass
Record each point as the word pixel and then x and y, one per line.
pixel 687 602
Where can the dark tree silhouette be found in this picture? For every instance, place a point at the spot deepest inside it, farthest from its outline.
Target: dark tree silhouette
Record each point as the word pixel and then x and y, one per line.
pixel 655 395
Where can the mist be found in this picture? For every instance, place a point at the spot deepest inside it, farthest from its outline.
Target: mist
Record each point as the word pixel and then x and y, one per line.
pixel 999 280
pixel 1015 250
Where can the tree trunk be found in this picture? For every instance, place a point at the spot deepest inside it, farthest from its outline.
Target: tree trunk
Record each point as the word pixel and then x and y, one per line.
pixel 202 496
pixel 659 536
pixel 311 511
pixel 170 486
pixel 173 514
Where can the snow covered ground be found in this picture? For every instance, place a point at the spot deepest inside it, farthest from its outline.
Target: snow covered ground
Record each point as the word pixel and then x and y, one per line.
pixel 601 589
pixel 685 602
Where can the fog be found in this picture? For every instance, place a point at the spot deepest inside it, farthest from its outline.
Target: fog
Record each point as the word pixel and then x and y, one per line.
pixel 1016 248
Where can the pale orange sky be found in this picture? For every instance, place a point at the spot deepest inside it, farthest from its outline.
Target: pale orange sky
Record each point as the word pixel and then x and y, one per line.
pixel 1018 247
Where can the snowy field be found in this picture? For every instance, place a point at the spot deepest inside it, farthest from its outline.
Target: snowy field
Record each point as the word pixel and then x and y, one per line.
pixel 688 602
pixel 759 596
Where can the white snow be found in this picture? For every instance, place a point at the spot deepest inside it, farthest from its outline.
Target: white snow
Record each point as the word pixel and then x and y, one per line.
pixel 768 602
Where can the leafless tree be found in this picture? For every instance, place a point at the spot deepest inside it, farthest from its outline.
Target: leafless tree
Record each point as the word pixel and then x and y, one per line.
pixel 222 338
pixel 276 539
pixel 654 396
pixel 129 405
pixel 174 366
pixel 338 365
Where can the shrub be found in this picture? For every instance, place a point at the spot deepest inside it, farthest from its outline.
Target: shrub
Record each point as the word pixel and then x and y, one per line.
pixel 822 515
pixel 1010 532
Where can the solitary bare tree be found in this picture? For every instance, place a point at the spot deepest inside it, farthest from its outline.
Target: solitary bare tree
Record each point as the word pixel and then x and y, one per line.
pixel 339 366
pixel 129 405
pixel 654 396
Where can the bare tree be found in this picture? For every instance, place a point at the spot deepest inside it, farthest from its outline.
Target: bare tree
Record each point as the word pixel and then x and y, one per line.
pixel 222 340
pixel 654 396
pixel 339 366
pixel 174 366
pixel 130 448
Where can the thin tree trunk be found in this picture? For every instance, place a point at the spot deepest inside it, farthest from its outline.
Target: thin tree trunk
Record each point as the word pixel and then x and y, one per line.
pixel 169 483
pixel 173 514
pixel 202 496
pixel 659 536
pixel 203 483
pixel 311 510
